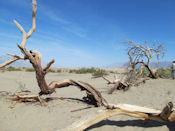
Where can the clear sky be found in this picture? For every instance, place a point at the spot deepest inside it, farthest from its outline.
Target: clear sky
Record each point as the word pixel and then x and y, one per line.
pixel 84 33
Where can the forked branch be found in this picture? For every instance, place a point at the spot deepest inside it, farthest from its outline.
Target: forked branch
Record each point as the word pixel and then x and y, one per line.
pixel 25 36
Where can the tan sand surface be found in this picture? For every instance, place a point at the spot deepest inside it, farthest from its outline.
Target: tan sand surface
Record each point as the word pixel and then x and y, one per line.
pixel 57 114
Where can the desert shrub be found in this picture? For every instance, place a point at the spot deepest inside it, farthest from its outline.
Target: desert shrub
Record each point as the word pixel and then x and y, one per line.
pixel 11 68
pixel 112 71
pixel 99 73
pixel 94 71
pixel 51 70
pixel 131 77
pixel 72 71
pixel 29 70
pixel 59 70
pixel 164 73
pixel 83 70
pixel 145 72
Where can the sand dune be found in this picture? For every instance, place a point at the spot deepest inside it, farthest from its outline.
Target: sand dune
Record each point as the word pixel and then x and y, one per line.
pixel 57 114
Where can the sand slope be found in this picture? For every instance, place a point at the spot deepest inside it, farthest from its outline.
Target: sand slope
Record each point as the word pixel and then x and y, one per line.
pixel 57 114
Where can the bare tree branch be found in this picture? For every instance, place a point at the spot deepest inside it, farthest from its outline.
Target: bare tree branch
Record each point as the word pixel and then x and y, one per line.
pixel 15 58
pixel 139 53
pixel 33 19
pixel 24 35
pixel 48 65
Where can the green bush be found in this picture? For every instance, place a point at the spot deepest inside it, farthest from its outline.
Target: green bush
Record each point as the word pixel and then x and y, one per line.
pixel 145 72
pixel 83 70
pixel 99 73
pixel 112 72
pixel 71 71
pixel 51 70
pixel 164 73
pixel 11 68
pixel 59 70
pixel 29 70
pixel 95 72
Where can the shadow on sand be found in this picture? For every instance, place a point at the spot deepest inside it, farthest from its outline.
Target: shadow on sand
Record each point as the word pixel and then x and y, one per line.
pixel 137 123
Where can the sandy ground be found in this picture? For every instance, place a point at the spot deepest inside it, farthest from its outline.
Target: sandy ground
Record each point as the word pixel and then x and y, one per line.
pixel 57 114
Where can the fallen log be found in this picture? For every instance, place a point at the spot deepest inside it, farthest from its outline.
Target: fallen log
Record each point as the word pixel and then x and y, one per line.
pixel 166 115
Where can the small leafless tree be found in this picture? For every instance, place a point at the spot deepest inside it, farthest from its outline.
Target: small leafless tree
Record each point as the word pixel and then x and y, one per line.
pixel 142 54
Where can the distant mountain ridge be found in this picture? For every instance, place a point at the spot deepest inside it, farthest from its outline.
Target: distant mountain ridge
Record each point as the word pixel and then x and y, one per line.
pixel 162 64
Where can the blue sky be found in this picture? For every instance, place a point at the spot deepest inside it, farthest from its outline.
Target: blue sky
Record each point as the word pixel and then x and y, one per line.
pixel 85 33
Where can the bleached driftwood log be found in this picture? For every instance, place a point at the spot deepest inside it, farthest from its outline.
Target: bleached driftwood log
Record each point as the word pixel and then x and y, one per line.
pixel 166 115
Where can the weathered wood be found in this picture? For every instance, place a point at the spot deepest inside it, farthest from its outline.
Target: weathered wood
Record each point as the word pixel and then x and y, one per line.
pixel 117 84
pixel 138 53
pixel 15 58
pixel 48 65
pixel 34 57
pixel 121 109
pixel 108 81
pixel 93 95
pixel 81 109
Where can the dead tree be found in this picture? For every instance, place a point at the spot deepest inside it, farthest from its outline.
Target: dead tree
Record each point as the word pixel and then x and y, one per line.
pixel 142 54
pixel 34 57
pixel 93 95
pixel 119 84
pixel 124 83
